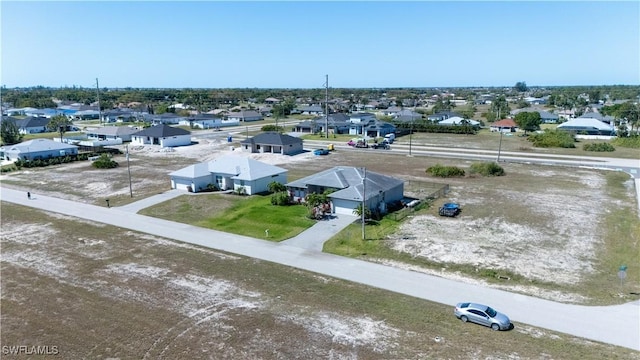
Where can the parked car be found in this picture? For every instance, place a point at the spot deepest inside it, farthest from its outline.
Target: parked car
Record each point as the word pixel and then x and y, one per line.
pixel 320 152
pixel 383 145
pixel 483 315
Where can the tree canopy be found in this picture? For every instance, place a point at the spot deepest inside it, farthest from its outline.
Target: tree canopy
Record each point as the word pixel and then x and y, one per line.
pixel 10 132
pixel 528 121
pixel 521 86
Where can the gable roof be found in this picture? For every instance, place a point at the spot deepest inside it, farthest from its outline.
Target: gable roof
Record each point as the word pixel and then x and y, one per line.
pixel 272 138
pixel 193 171
pixel 162 130
pixel 243 168
pixel 348 181
pixel 32 122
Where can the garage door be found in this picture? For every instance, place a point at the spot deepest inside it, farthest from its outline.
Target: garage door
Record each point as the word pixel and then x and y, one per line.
pixel 181 184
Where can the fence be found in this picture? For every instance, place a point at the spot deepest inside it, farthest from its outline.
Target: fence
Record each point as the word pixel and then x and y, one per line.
pixel 427 199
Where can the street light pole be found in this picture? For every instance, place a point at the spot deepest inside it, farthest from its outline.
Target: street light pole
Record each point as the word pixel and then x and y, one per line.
pixel 364 199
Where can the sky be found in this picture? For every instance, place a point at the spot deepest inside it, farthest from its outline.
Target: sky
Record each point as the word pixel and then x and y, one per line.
pixel 295 44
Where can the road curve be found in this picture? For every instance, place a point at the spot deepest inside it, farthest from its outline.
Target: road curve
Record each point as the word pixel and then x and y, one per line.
pixel 617 325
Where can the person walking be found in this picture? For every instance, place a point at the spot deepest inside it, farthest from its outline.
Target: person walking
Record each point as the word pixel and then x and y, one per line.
pixel 28 195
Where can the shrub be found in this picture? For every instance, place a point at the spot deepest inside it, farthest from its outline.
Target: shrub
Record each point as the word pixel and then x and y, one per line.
pixel 553 138
pixel 627 142
pixel 487 169
pixel 598 147
pixel 279 129
pixel 444 171
pixel 104 162
pixel 280 198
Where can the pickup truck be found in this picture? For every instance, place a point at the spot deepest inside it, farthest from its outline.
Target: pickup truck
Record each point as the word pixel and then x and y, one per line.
pixel 383 145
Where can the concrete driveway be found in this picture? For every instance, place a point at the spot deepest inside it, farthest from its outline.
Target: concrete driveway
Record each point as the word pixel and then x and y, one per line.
pixel 617 325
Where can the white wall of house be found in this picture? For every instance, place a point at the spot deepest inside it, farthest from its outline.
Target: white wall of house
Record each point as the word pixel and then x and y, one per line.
pixel 179 140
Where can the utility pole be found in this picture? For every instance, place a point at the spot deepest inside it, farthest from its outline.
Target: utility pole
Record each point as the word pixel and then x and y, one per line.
pixel 364 199
pixel 129 170
pixel 326 106
pixel 99 110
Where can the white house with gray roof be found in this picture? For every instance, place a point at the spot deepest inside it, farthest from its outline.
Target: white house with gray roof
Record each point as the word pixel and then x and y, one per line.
pixel 123 133
pixel 349 185
pixel 163 135
pixel 229 173
pixel 37 149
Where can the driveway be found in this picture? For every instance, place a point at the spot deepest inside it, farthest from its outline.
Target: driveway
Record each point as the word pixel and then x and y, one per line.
pixel 617 325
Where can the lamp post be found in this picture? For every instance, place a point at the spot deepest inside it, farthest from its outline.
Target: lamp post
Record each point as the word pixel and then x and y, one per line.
pixel 364 200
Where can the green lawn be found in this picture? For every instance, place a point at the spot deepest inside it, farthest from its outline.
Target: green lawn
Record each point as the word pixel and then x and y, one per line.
pixel 242 215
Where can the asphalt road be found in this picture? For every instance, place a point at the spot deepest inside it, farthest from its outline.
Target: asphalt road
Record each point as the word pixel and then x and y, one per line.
pixel 618 324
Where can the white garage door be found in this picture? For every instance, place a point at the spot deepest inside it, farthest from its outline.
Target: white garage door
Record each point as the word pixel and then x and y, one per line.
pixel 181 184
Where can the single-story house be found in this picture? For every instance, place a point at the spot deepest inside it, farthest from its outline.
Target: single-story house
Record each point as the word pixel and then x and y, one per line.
pixel 504 125
pixel 589 126
pixel 379 129
pixel 457 120
pixel 37 149
pixel 244 116
pixel 163 135
pixel 312 110
pixel 349 185
pixel 165 118
pixel 273 142
pixel 207 121
pixel 86 114
pixel 123 133
pixel 442 116
pixel 238 173
pixel 545 116
pixel 29 125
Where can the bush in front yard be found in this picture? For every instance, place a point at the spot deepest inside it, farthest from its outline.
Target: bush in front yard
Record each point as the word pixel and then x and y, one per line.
pixel 105 162
pixel 444 171
pixel 280 198
pixel 487 169
pixel 599 147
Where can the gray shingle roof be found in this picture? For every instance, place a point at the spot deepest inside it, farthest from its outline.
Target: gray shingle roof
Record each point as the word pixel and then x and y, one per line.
pixel 272 138
pixel 162 130
pixel 349 182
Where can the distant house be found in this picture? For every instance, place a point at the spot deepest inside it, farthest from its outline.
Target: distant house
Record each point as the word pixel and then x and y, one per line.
pixel 117 115
pixel 244 116
pixel 207 121
pixel 504 125
pixel 358 122
pixel 596 115
pixel 165 118
pixel 545 116
pixel 338 123
pixel 32 125
pixel 229 173
pixel 311 110
pixel 271 100
pixel 86 115
pixel 123 133
pixel 349 185
pixel 37 149
pixel 588 126
pixel 163 135
pixel 273 142
pixel 457 120
pixel 437 117
pixel 379 129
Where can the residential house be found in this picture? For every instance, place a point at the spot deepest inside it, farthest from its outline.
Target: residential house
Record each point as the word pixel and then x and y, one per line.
pixel 32 125
pixel 37 149
pixel 349 185
pixel 437 117
pixel 596 115
pixel 271 101
pixel 163 135
pixel 504 125
pixel 358 122
pixel 457 120
pixel 588 126
pixel 237 173
pixel 311 110
pixel 124 133
pixel 379 129
pixel 244 116
pixel 273 142
pixel 545 116
pixel 165 118
pixel 207 121
pixel 118 115
pixel 86 115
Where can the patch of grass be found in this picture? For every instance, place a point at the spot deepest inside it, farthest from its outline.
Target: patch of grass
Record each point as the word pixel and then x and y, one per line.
pixel 242 215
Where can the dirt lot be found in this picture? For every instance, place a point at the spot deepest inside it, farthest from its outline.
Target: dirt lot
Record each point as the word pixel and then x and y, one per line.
pixel 542 223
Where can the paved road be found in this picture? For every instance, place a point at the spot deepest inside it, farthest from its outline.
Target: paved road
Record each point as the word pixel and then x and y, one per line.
pixel 618 325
